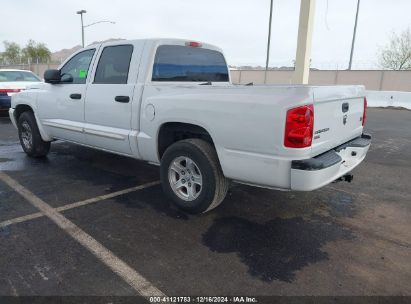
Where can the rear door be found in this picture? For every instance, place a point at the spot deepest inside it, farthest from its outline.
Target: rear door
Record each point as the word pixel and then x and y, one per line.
pixel 338 114
pixel 108 107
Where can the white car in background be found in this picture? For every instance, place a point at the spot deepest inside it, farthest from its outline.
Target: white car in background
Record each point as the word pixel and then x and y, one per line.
pixel 12 82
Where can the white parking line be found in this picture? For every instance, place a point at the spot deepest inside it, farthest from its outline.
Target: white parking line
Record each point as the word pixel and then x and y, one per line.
pixel 78 204
pixel 21 219
pixel 132 277
pixel 106 196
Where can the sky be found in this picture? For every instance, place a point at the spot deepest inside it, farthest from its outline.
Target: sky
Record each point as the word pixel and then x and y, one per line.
pixel 239 27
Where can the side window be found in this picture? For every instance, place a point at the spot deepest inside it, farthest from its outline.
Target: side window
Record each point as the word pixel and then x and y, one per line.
pixel 114 65
pixel 76 69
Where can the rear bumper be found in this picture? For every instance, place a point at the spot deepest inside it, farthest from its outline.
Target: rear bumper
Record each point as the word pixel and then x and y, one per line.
pixel 314 173
pixel 5 102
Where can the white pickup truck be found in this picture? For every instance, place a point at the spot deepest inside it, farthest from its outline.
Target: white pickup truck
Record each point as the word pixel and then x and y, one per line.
pixel 171 103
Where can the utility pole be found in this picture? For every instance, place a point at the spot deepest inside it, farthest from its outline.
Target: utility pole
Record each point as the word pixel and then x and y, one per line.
pixel 81 12
pixel 354 35
pixel 268 42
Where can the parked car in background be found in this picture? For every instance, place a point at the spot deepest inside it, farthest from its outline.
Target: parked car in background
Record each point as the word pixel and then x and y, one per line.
pixel 171 103
pixel 12 82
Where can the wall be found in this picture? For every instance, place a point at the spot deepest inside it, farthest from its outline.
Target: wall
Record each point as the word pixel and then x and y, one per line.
pixel 389 99
pixel 373 80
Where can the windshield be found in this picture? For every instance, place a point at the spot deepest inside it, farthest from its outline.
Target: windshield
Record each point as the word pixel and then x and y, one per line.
pixel 12 76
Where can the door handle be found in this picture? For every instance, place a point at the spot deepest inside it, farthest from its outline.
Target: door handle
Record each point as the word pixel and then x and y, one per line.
pixel 123 99
pixel 75 96
pixel 345 107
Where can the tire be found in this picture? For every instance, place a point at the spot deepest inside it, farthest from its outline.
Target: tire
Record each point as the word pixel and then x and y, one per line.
pixel 206 169
pixel 29 135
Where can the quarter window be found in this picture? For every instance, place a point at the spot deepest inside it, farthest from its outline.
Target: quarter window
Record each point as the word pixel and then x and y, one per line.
pixel 114 65
pixel 76 69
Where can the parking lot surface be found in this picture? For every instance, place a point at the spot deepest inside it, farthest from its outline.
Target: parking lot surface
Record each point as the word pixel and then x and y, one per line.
pixel 104 227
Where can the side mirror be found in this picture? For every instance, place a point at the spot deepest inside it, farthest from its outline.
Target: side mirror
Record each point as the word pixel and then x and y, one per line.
pixel 52 76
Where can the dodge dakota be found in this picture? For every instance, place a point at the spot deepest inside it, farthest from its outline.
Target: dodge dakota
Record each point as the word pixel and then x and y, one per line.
pixel 171 103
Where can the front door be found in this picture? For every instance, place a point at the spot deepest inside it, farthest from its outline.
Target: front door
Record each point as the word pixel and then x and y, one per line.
pixel 108 106
pixel 61 106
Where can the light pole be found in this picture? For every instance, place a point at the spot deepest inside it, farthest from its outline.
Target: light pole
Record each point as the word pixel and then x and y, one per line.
pixel 84 26
pixel 102 21
pixel 81 12
pixel 268 42
pixel 354 35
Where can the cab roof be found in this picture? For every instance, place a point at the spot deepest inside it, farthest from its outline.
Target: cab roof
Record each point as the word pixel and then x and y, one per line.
pixel 159 41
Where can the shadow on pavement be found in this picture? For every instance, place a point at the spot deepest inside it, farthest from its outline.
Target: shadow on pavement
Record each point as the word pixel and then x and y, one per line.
pixel 274 250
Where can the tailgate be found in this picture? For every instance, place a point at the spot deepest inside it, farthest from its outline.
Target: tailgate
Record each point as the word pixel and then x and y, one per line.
pixel 338 114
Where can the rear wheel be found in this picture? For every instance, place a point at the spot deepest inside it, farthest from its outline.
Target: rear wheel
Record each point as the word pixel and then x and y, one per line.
pixel 192 177
pixel 30 138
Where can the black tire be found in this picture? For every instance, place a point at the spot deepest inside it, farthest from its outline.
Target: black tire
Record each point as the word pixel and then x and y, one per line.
pixel 27 128
pixel 214 184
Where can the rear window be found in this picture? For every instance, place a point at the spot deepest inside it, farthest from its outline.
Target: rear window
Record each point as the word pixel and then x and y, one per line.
pixel 182 63
pixel 12 76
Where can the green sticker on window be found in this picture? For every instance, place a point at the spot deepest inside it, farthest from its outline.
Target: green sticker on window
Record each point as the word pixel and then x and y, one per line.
pixel 82 74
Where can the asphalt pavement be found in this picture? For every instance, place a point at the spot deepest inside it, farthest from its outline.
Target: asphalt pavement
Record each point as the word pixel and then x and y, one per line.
pixel 344 239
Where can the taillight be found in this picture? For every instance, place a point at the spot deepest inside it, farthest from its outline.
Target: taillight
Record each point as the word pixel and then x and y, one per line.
pixel 364 115
pixel 5 91
pixel 299 127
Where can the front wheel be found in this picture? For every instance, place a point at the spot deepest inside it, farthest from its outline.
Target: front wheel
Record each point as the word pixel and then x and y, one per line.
pixel 30 138
pixel 192 177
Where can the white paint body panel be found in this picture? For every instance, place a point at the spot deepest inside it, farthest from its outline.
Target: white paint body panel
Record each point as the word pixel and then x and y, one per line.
pixel 246 123
pixel 107 122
